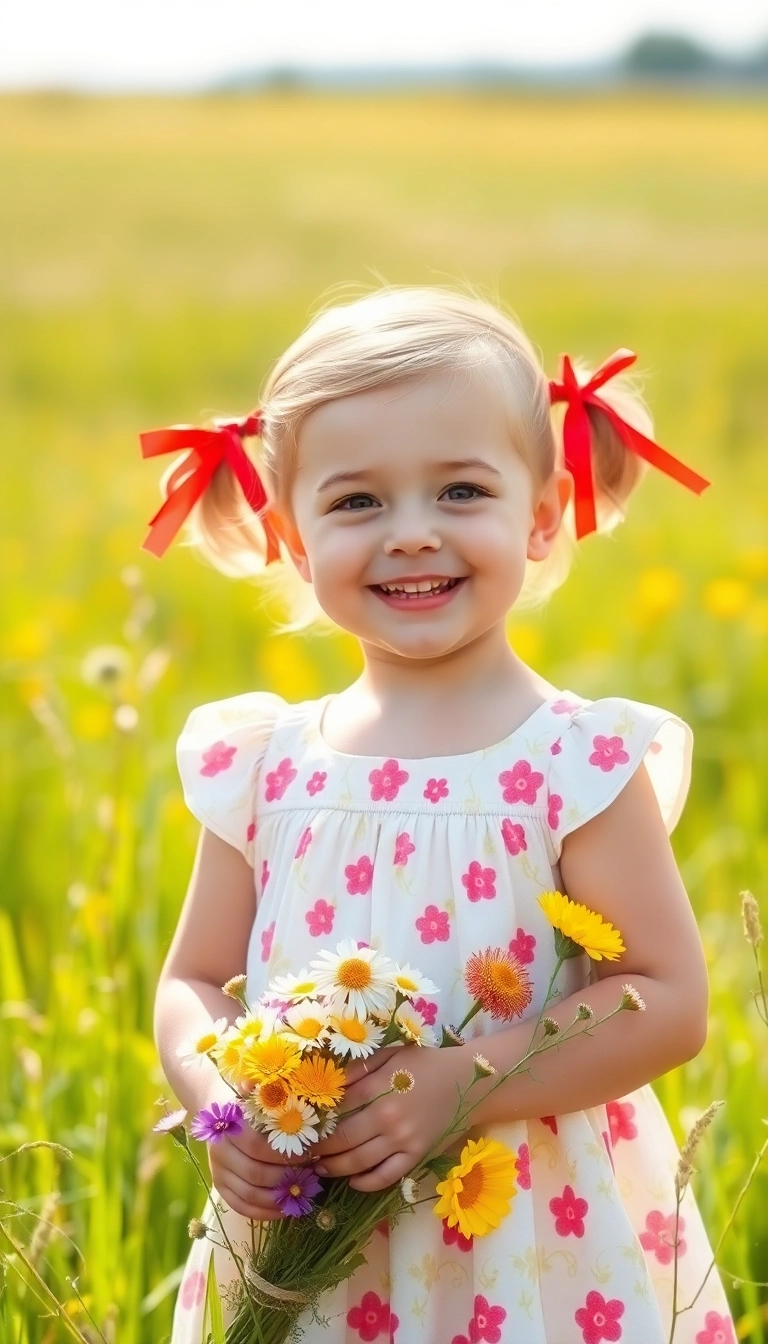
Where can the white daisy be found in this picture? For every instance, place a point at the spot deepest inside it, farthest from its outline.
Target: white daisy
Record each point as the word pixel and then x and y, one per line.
pixel 293 1128
pixel 353 1036
pixel 358 978
pixel 306 1024
pixel 295 987
pixel 256 1026
pixel 412 983
pixel 413 1027
pixel 327 1124
pixel 196 1048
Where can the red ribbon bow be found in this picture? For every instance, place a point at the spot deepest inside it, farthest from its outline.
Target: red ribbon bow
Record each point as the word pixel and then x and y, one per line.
pixel 577 438
pixel 189 480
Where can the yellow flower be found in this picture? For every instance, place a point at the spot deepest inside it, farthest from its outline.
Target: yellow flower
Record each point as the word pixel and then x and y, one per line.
pixel 726 599
pixel 478 1192
pixel 319 1081
pixel 578 929
pixel 263 1061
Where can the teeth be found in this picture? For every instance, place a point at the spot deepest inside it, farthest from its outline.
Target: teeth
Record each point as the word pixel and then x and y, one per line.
pixel 424 586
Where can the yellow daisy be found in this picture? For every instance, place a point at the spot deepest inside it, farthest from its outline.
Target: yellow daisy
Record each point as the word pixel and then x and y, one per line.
pixel 477 1193
pixel 578 929
pixel 319 1081
pixel 263 1061
pixel 272 1095
pixel 293 1128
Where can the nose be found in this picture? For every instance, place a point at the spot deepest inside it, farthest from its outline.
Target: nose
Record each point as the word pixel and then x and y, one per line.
pixel 410 535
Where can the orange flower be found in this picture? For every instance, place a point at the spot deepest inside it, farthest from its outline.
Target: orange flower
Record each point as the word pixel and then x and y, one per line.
pixel 319 1081
pixel 497 981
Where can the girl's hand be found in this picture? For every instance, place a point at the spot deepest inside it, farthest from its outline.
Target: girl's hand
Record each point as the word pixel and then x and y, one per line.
pixel 244 1168
pixel 388 1139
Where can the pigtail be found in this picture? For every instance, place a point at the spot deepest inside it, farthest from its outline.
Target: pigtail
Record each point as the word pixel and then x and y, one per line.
pixel 225 530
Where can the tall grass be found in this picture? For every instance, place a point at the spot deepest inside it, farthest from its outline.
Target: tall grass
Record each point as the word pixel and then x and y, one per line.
pixel 155 256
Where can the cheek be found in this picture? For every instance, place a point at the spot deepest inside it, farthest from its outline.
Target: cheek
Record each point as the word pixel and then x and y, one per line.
pixel 338 555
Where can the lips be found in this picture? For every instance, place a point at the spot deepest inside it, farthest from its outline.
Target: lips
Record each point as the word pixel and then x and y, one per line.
pixel 421 593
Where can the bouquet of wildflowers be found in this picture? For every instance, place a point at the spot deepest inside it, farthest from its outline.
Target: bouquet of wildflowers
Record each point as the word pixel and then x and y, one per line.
pixel 284 1060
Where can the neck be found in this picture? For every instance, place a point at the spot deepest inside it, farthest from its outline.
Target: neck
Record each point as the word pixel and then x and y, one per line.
pixel 485 665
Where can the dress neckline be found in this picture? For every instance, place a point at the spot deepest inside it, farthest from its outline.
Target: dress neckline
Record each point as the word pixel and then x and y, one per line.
pixel 525 726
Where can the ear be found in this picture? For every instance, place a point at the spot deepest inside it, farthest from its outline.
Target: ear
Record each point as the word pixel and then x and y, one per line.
pixel 288 533
pixel 548 514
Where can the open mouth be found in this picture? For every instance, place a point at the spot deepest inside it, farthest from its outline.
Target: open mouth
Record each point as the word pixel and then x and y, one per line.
pixel 416 592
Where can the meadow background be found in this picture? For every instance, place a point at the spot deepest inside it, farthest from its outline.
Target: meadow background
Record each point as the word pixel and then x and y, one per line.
pixel 155 257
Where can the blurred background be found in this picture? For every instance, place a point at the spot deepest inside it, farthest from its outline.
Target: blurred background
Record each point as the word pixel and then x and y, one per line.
pixel 182 184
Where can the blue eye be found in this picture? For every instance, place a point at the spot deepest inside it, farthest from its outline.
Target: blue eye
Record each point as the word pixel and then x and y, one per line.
pixel 350 504
pixel 464 485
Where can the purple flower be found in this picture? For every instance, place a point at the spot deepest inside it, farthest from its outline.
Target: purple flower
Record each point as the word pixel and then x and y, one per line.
pixel 295 1191
pixel 212 1125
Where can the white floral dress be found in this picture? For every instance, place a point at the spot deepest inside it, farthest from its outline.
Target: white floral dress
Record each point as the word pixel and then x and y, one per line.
pixel 432 859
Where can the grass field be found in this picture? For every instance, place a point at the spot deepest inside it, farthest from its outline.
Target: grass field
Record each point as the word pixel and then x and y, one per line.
pixel 155 257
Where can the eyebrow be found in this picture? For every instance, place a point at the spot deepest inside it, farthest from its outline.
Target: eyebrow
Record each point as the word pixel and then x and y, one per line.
pixel 458 464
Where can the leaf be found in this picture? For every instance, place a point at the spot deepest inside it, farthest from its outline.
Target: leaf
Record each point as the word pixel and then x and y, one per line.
pixel 441 1166
pixel 213 1312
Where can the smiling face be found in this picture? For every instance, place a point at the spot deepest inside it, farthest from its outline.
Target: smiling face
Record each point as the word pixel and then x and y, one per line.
pixel 414 515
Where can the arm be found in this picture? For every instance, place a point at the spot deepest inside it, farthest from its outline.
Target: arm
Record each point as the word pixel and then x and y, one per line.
pixel 208 947
pixel 621 865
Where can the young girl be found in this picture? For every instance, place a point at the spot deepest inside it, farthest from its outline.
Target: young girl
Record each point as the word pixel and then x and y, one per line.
pixel 412 479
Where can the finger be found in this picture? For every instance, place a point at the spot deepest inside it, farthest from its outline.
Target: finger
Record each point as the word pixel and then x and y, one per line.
pixel 359 1159
pixel 392 1169
pixel 254 1145
pixel 359 1068
pixel 252 1200
pixel 348 1134
pixel 252 1172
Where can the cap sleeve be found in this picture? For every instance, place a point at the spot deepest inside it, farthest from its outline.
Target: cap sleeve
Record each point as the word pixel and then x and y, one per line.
pixel 219 755
pixel 599 751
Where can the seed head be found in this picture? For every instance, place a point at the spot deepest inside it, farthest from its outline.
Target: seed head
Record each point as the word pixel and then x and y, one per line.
pixel 750 914
pixel 631 1000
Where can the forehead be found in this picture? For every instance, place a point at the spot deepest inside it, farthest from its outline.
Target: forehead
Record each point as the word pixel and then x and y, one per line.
pixel 409 421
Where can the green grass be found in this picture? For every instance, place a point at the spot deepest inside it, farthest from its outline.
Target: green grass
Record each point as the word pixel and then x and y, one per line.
pixel 155 257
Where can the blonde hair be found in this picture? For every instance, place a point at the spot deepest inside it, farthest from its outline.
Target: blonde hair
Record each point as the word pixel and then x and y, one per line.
pixel 385 337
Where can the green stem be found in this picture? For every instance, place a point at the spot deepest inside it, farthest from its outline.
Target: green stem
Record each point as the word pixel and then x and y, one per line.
pixel 40 1287
pixel 223 1230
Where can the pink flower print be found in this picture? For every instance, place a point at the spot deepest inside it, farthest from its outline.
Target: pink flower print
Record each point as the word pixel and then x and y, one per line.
pixel 250 833
pixel 428 1010
pixel 521 947
pixel 513 836
pixel 620 1121
pixel 279 779
pixel 608 752
pixel 359 876
pixel 371 1318
pixel 436 789
pixel 303 845
pixel 554 808
pixel 264 875
pixel 599 1319
pixel 486 1322
pixel 565 707
pixel 556 747
pixel 655 748
pixel 320 918
pixel 192 1290
pixel 521 783
pixel 659 1236
pixel 524 1167
pixel 453 1237
pixel 433 925
pixel 569 1211
pixel 386 782
pixel 480 882
pixel 403 847
pixel 316 783
pixel 383 1227
pixel 717 1330
pixel 550 1121
pixel 217 758
pixel 266 942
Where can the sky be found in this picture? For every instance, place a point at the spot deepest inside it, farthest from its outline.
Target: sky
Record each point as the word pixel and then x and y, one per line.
pixel 184 44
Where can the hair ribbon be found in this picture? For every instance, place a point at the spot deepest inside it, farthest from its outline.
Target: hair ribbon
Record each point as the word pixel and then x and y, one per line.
pixel 208 448
pixel 577 436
